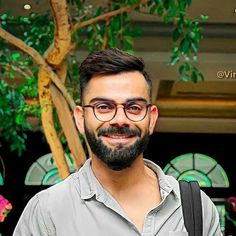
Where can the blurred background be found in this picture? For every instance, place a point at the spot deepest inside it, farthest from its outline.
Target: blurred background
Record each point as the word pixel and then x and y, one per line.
pixel 196 132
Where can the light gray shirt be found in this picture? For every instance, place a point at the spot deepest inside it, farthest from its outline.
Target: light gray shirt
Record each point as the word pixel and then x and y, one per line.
pixel 80 206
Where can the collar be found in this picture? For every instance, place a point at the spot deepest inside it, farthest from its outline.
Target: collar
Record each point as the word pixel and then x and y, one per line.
pixel 167 183
pixel 89 186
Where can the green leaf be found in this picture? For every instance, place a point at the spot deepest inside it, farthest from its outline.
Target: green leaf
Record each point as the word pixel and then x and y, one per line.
pixel 185 78
pixel 201 76
pixel 176 34
pixel 182 5
pixel 4 16
pixel 192 35
pixel 172 12
pixel 184 45
pixel 194 46
pixel 128 39
pixel 15 56
pixel 204 18
pixel 187 66
pixel 136 32
pixel 11 75
pixel 14 68
pixel 26 20
pixel 153 9
pixel 175 50
pixel 189 2
pixel 166 4
pixel 194 76
pixel 116 24
pixel 174 60
pixel 20 119
pixel 182 69
pixel 160 10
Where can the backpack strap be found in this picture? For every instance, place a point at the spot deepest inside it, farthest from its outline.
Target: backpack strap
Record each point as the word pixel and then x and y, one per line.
pixel 192 207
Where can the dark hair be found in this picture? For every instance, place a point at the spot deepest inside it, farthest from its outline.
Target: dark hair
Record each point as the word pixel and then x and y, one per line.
pixel 110 61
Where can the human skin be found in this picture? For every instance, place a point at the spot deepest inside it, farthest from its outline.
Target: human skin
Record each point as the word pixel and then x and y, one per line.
pixel 130 186
pixel 118 88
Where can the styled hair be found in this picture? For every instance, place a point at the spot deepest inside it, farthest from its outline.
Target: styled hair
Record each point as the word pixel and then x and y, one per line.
pixel 110 61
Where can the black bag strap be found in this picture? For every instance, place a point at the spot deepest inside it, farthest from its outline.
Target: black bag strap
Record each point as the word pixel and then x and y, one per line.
pixel 192 207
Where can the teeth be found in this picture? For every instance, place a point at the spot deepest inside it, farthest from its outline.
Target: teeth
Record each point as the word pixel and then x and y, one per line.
pixel 118 137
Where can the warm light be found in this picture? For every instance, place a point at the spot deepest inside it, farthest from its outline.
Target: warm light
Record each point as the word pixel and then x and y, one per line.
pixel 27 7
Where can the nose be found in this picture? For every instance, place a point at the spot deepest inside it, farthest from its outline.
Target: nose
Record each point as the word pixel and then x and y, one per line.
pixel 120 118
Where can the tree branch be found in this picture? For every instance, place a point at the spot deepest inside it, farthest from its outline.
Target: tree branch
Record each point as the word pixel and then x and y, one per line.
pixel 105 37
pixel 68 126
pixel 62 33
pixel 16 69
pixel 48 123
pixel 107 15
pixel 40 61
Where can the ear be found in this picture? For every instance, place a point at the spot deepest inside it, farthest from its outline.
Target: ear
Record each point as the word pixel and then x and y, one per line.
pixel 79 118
pixel 153 118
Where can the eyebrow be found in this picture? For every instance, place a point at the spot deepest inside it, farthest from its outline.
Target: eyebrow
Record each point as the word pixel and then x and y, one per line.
pixel 103 99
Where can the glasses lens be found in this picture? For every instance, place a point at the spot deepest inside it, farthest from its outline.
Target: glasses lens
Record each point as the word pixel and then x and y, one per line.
pixel 104 111
pixel 136 111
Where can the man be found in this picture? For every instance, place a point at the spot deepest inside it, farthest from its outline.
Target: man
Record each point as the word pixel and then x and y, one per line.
pixel 116 192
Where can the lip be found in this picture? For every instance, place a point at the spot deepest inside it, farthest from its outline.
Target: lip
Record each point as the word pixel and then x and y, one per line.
pixel 115 139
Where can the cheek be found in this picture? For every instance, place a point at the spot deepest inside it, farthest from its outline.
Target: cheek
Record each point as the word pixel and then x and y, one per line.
pixel 147 127
pixel 144 128
pixel 92 125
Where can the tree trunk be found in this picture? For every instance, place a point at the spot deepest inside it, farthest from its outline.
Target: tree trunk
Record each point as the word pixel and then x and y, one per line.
pixel 45 99
pixel 68 126
pixel 55 56
pixel 51 67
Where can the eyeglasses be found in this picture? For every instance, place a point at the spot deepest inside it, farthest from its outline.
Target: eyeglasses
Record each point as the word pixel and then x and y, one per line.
pixel 106 111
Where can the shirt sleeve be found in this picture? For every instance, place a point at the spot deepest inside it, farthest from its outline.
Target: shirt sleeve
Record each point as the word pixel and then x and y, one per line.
pixel 33 220
pixel 211 222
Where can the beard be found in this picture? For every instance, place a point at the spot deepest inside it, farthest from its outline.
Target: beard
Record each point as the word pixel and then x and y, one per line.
pixel 119 157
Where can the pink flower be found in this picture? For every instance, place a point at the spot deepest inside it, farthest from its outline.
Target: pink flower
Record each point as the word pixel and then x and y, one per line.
pixel 5 208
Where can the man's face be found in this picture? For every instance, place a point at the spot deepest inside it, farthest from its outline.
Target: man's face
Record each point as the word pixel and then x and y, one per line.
pixel 119 141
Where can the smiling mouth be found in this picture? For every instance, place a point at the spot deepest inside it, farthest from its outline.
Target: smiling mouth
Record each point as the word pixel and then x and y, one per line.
pixel 117 139
pixel 118 136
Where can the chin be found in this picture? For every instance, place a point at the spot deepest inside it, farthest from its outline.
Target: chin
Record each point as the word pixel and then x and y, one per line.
pixel 118 167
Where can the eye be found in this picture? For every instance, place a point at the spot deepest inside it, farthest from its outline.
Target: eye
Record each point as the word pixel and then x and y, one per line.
pixel 134 108
pixel 104 107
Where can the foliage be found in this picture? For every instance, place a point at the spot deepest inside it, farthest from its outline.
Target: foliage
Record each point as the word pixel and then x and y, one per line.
pixel 13 116
pixel 37 31
pixel 14 66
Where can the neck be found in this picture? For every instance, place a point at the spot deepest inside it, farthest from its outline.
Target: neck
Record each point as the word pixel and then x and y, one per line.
pixel 117 181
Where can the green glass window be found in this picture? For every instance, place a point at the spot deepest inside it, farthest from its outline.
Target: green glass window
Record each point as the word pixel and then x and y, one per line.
pixel 1 179
pixel 44 171
pixel 200 167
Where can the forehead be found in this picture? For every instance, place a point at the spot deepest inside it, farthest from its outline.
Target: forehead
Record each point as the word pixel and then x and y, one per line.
pixel 118 87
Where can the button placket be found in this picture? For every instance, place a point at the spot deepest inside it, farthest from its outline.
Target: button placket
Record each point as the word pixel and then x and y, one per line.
pixel 148 224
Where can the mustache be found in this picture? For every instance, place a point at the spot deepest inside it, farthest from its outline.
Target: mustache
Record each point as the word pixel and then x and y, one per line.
pixel 119 130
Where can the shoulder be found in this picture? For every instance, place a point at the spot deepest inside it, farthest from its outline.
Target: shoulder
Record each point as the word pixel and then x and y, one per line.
pixel 59 193
pixel 32 220
pixel 37 217
pixel 210 216
pixel 211 221
pixel 208 207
